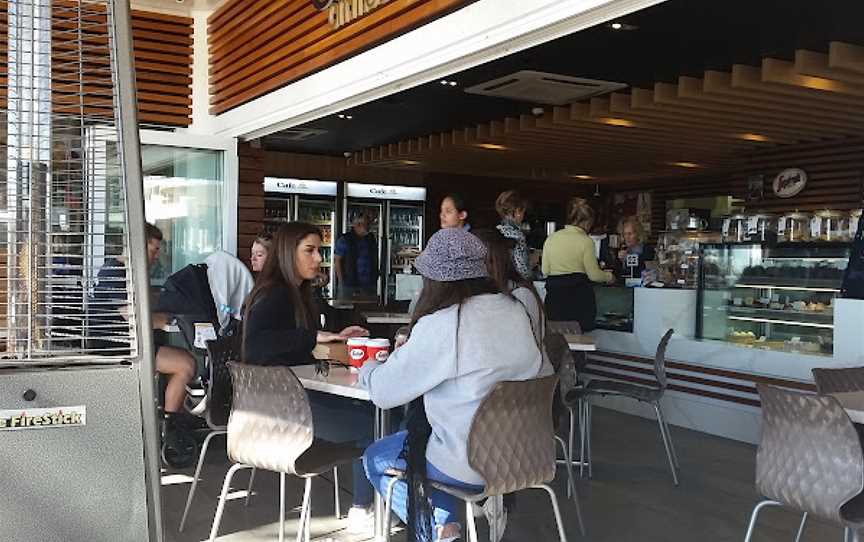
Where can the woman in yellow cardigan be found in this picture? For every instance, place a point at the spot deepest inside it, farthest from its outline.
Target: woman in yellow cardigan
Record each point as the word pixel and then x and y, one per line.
pixel 570 266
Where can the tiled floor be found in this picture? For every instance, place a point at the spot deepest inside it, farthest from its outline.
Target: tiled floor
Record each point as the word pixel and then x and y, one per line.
pixel 630 498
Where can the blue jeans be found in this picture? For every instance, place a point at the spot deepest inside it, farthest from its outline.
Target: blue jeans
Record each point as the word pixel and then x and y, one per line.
pixel 384 454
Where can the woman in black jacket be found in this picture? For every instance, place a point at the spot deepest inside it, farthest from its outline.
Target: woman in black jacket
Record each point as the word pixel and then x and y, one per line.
pixel 282 320
pixel 281 327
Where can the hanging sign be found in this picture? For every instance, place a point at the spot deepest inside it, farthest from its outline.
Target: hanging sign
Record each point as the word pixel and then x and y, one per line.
pixel 43 418
pixel 342 12
pixel 790 182
pixel 300 186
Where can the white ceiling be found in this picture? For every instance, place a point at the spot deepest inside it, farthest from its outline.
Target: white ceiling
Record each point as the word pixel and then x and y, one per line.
pixel 176 6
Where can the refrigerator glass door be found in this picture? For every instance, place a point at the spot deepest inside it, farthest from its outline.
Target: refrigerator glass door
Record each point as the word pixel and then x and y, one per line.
pixel 405 236
pixel 321 213
pixel 374 211
pixel 278 210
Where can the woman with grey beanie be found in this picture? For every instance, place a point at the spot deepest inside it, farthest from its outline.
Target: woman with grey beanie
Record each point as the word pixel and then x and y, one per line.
pixel 465 337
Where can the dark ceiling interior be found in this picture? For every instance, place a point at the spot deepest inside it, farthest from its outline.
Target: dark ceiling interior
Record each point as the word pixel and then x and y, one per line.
pixel 678 37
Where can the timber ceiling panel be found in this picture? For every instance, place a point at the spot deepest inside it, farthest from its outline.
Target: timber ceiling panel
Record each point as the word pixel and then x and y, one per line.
pixel 163 61
pixel 669 129
pixel 257 46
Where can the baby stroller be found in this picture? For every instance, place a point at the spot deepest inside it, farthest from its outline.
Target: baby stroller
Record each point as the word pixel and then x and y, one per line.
pixel 206 302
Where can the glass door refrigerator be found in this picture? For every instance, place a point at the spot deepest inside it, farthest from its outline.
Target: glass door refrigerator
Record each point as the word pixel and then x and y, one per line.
pixel 304 200
pixel 400 228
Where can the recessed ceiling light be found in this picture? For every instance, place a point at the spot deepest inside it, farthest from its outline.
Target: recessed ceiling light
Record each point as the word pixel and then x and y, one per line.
pixel 453 83
pixel 754 137
pixel 349 117
pixel 622 26
pixel 341 116
pixel 689 165
pixel 492 146
pixel 410 162
pixel 613 121
pixel 616 26
pixel 582 177
pixel 448 83
pixel 445 82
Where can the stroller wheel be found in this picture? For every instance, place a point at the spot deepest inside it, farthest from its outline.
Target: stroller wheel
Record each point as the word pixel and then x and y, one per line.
pixel 179 449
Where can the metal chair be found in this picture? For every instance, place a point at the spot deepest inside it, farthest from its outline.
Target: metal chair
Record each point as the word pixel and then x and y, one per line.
pixel 566 368
pixel 810 459
pixel 508 446
pixel 645 394
pixel 839 380
pixel 271 428
pixel 218 402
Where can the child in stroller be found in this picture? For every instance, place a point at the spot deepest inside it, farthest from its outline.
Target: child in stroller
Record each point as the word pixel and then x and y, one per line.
pixel 205 301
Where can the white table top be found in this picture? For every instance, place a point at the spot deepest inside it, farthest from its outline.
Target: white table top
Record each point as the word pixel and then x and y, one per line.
pixel 387 317
pixel 581 343
pixel 341 381
pixel 171 328
pixel 853 403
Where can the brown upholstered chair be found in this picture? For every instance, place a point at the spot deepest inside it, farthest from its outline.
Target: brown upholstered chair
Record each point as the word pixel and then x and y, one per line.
pixel 839 380
pixel 270 428
pixel 809 459
pixel 563 361
pixel 511 446
pixel 645 394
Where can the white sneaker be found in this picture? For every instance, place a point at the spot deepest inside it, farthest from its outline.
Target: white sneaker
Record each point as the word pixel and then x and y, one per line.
pixel 499 518
pixel 361 520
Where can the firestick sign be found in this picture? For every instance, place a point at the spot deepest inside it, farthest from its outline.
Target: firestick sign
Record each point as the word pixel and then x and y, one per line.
pixel 43 418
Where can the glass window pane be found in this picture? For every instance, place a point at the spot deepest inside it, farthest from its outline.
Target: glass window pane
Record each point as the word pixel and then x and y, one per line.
pixel 183 198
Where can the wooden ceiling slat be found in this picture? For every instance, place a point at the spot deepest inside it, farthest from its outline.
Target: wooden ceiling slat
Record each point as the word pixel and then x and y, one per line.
pixel 846 56
pixel 811 63
pixel 754 78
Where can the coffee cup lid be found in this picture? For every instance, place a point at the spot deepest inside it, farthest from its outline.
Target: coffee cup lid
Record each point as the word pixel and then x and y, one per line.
pixel 356 341
pixel 379 342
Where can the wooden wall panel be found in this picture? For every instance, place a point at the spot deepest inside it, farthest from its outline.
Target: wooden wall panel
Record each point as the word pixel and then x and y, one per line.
pixel 257 46
pixel 163 60
pixel 250 206
pixel 834 169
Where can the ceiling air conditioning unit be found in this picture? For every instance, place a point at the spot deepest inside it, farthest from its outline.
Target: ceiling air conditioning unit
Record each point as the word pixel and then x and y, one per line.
pixel 544 88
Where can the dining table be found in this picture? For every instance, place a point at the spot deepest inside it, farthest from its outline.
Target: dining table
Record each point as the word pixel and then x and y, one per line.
pixel 342 381
pixel 580 343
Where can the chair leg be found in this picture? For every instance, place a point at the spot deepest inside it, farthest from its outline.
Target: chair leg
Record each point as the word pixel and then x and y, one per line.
pixel 337 505
pixel 801 527
pixel 588 426
pixel 249 490
pixel 583 422
pixel 304 510
pixel 561 534
pixel 671 443
pixel 282 507
pixel 571 435
pixel 472 525
pixel 661 423
pixel 220 508
pixel 196 476
pixel 571 489
pixel 388 506
pixel 755 515
pixel 568 463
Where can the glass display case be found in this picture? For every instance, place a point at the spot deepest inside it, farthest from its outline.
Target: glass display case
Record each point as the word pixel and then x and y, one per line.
pixel 678 256
pixel 777 297
pixel 614 308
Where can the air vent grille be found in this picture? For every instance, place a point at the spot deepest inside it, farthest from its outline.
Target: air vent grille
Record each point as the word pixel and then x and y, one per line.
pixel 544 88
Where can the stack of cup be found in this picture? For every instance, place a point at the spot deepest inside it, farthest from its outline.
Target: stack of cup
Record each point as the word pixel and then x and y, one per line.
pixel 363 349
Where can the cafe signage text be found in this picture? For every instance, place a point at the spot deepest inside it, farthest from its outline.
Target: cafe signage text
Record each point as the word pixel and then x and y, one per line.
pixel 342 12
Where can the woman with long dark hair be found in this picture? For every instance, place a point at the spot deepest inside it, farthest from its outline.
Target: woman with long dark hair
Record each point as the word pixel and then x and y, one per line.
pixel 454 356
pixel 281 327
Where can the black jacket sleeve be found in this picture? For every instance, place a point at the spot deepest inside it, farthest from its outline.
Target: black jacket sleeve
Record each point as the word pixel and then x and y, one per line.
pixel 271 336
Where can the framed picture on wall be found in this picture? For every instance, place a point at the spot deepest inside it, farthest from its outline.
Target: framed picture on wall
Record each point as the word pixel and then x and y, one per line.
pixel 755 188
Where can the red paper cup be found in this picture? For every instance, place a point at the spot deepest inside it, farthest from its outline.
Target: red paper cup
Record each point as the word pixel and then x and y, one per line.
pixel 357 351
pixel 378 349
